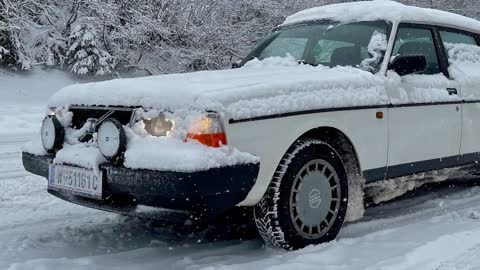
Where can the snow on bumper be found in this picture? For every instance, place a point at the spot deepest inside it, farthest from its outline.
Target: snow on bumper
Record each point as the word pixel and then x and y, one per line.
pixel 171 154
pixel 151 153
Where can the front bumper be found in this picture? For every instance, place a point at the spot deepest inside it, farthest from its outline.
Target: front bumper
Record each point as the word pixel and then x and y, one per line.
pixel 172 197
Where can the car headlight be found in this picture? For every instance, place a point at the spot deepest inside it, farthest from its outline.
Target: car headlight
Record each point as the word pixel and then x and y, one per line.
pixel 52 134
pixel 158 126
pixel 111 139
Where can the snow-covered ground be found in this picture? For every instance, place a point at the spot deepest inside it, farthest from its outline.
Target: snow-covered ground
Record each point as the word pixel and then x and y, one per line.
pixel 437 227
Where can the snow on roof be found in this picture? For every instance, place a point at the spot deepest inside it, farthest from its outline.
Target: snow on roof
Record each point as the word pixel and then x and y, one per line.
pixel 383 10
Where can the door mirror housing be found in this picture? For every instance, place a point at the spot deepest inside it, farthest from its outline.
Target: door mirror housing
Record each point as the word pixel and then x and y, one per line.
pixel 408 64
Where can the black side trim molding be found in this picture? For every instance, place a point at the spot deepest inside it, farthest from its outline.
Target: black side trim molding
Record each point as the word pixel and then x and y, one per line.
pixel 375 175
pixel 471 101
pixel 383 106
pixel 395 171
pixel 281 115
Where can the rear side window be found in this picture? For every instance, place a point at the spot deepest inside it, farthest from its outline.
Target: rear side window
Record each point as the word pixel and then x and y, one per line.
pixel 457 38
pixel 418 41
pixel 462 50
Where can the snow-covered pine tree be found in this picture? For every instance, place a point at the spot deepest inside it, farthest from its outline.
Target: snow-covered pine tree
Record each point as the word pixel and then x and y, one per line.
pixel 85 55
pixel 7 58
pixel 14 22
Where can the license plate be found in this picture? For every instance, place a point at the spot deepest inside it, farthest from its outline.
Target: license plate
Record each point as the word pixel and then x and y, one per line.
pixel 80 181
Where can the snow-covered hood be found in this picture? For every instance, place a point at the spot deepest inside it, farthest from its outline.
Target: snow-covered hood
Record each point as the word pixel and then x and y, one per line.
pixel 261 87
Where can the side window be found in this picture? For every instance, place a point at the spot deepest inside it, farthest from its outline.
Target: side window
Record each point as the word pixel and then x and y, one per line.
pixel 418 41
pixel 457 38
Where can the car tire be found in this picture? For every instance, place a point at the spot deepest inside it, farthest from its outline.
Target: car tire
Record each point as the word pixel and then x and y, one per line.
pixel 306 201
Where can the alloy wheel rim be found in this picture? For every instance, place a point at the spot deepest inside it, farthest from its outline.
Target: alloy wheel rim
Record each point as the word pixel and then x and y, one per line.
pixel 315 199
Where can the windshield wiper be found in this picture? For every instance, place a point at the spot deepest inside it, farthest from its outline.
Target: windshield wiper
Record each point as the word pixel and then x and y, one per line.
pixel 303 62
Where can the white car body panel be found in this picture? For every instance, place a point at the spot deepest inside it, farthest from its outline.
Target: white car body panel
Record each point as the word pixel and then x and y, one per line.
pixel 470 128
pixel 470 117
pixel 424 132
pixel 271 138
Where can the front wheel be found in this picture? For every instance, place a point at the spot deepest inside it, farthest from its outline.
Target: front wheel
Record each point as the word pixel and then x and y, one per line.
pixel 307 200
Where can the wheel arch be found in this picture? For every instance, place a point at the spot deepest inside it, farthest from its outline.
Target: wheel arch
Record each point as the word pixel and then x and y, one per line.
pixel 338 140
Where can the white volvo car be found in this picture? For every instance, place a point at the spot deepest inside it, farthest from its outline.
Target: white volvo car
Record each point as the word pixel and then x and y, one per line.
pixel 338 104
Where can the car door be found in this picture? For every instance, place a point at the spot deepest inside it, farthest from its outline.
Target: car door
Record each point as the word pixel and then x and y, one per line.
pixel 425 116
pixel 456 43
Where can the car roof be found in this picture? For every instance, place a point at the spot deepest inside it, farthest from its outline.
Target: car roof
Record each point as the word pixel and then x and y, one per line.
pixel 384 10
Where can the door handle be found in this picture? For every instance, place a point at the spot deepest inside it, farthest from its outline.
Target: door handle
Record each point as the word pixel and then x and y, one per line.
pixel 452 91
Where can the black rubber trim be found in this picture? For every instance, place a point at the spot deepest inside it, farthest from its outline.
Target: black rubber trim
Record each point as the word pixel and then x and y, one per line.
pixel 211 191
pixel 281 115
pixel 37 165
pixel 395 171
pixel 374 175
pixel 421 166
pixel 471 101
pixel 384 106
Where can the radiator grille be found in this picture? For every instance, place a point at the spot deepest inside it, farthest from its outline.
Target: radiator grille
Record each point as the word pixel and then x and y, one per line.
pixel 82 114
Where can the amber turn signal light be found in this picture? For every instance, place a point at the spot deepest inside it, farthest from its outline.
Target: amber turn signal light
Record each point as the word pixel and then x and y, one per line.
pixel 212 140
pixel 208 130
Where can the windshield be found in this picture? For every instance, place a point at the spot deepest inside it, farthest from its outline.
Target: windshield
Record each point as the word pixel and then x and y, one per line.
pixel 359 44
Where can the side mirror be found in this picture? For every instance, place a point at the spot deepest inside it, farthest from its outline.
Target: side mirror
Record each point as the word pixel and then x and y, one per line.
pixel 408 64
